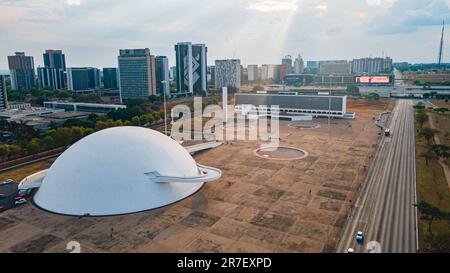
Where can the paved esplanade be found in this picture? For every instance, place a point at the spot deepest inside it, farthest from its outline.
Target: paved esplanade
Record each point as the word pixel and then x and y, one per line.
pixel 385 209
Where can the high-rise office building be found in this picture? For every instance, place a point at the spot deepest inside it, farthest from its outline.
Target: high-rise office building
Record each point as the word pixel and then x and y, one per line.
pixel 253 72
pixel 287 60
pixel 137 77
pixel 83 79
pixel 212 74
pixel 173 73
pixel 282 72
pixel 372 66
pixel 110 75
pixel 162 75
pixel 54 59
pixel 269 71
pixel 52 75
pixel 334 67
pixel 21 68
pixel 244 74
pixel 191 61
pixel 299 65
pixel 312 64
pixel 228 73
pixel 3 94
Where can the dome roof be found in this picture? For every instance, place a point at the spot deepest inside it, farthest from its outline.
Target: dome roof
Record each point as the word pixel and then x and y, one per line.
pixel 121 170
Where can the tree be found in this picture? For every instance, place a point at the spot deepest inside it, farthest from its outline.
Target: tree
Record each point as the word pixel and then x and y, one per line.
pixel 88 131
pixel 353 90
pixel 144 119
pixel 135 121
pixel 61 136
pixel 442 151
pixel 77 133
pixel 258 88
pixel 15 150
pixel 63 94
pixel 100 125
pixel 4 151
pixel 421 118
pixel 33 146
pixel 47 142
pixel 428 134
pixel 441 110
pixel 431 213
pixel 118 123
pixel 419 106
pixel 373 97
pixel 428 155
pixel 232 89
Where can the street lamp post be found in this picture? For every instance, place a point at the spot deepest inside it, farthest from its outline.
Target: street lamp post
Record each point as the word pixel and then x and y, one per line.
pixel 165 109
pixel 329 104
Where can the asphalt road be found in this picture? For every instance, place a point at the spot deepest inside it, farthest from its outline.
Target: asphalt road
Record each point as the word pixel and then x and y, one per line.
pixel 384 210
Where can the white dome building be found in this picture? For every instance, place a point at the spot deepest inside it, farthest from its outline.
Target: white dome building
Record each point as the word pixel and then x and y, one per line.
pixel 121 170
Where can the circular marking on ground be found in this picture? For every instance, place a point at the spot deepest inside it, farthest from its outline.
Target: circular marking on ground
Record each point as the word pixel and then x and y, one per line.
pixel 280 153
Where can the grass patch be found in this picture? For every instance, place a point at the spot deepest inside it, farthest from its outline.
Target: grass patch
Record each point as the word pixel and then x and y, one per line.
pixel 433 189
pixel 22 172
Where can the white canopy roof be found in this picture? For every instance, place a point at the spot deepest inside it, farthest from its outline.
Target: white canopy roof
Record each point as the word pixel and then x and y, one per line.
pixel 121 170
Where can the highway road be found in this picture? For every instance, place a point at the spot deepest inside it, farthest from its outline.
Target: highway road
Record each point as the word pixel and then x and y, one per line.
pixel 384 210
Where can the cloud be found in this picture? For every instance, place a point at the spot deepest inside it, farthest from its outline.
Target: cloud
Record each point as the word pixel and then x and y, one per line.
pixel 374 2
pixel 406 16
pixel 321 7
pixel 271 6
pixel 73 2
pixel 90 32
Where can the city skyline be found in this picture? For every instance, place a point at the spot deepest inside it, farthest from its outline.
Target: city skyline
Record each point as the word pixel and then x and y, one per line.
pixel 91 32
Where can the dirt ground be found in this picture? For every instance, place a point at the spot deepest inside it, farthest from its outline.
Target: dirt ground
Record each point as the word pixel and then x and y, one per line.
pixel 259 205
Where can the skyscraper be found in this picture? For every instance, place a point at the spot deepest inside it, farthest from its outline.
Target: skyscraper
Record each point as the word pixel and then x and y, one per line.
pixel 162 75
pixel 21 68
pixel 54 59
pixel 252 72
pixel 3 95
pixel 299 65
pixel 110 78
pixel 282 72
pixel 83 79
pixel 228 73
pixel 287 60
pixel 191 67
pixel 136 73
pixel 53 73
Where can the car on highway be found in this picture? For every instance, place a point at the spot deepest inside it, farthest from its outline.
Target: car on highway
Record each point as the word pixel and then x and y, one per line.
pixel 387 132
pixel 19 197
pixel 20 202
pixel 360 237
pixel 7 181
pixel 2 208
pixel 350 250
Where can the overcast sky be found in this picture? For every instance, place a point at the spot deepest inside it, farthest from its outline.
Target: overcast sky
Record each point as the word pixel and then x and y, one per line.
pixel 90 32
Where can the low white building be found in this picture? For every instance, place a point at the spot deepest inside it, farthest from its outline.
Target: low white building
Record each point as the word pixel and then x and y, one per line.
pixel 291 105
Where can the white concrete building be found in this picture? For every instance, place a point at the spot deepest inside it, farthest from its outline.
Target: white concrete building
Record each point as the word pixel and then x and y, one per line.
pixel 98 177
